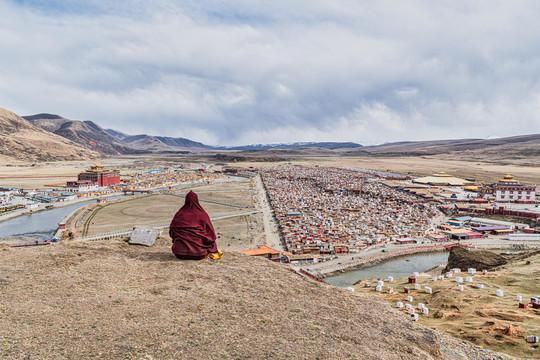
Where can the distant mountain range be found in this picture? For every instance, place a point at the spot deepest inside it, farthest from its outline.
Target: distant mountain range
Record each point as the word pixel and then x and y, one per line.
pixel 52 137
pixel 90 135
pixel 157 143
pixel 508 146
pixel 290 146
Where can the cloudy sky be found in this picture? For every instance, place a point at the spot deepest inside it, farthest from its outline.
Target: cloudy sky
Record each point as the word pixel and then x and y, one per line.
pixel 243 71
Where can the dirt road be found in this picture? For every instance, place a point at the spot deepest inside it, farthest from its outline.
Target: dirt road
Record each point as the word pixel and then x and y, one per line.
pixel 270 227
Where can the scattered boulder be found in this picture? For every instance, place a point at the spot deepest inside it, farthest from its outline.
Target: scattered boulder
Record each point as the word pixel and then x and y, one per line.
pixel 509 331
pixel 143 235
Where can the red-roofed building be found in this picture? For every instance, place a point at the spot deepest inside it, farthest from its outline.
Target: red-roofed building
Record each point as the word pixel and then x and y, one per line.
pixel 264 251
pixel 101 176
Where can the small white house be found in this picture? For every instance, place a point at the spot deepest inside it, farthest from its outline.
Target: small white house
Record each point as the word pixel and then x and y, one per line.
pixel 81 186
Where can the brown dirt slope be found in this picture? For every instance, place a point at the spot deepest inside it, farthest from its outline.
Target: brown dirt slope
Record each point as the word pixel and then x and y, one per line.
pixel 464 259
pixel 21 140
pixel 114 301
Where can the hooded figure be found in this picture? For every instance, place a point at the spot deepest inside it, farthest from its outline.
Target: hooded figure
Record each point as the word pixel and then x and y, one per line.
pixel 192 232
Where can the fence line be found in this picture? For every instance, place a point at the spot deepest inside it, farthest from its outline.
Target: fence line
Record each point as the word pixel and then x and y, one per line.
pixel 104 236
pixel 119 233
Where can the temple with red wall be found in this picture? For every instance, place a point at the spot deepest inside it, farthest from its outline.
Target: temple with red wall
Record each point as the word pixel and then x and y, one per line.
pixel 101 175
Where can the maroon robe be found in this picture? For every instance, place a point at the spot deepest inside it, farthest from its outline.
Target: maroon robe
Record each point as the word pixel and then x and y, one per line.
pixel 191 231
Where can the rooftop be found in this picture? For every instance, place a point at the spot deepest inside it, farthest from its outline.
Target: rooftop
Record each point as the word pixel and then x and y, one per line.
pixel 262 250
pixel 443 178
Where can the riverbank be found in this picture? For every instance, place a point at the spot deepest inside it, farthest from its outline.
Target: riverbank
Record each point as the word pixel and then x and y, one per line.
pixel 361 261
pixel 50 206
pixel 396 268
pixel 432 263
pixel 9 240
pixel 373 256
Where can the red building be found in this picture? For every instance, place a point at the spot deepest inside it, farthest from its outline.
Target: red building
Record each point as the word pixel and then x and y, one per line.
pixel 101 176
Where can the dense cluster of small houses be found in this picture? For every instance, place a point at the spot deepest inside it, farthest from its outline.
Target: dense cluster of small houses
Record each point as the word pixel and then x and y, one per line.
pixel 142 182
pixel 163 178
pixel 331 210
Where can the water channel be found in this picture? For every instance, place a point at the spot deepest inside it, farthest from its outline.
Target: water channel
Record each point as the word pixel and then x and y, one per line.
pixel 41 225
pixel 399 267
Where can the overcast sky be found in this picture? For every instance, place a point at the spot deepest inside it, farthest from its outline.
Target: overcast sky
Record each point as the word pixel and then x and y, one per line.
pixel 242 71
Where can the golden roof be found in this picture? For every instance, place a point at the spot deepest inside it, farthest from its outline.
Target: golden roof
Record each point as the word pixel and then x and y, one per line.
pixel 508 178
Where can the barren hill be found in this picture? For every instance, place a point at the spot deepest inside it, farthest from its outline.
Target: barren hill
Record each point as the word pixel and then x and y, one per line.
pixel 117 134
pixel 21 140
pixel 114 301
pixel 86 133
pixel 163 143
pixel 502 148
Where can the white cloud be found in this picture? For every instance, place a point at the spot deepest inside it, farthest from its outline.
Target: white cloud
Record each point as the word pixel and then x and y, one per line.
pixel 243 72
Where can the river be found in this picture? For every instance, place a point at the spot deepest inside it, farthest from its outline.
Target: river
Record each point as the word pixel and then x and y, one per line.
pixel 43 224
pixel 399 267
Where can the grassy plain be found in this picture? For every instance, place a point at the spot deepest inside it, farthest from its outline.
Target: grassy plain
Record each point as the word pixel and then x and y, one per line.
pixel 477 315
pixel 239 232
pixel 239 197
pixel 25 176
pixel 424 165
pixel 38 176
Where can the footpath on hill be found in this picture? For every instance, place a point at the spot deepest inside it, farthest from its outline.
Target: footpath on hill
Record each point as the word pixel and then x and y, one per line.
pixel 111 300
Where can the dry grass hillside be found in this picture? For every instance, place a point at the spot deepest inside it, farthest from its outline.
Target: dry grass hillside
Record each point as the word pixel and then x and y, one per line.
pixel 85 133
pixel 500 149
pixel 112 301
pixel 21 140
pixel 478 315
pixel 160 143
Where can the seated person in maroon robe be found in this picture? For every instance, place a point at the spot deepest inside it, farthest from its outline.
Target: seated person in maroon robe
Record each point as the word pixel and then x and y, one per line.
pixel 192 232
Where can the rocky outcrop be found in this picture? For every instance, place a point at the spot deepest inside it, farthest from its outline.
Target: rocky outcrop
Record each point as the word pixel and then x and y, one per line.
pixel 482 259
pixel 462 258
